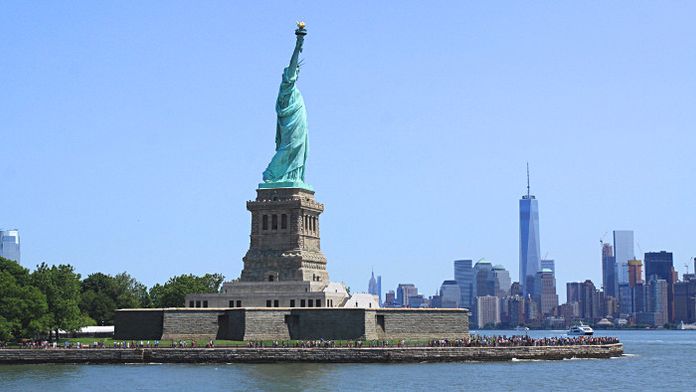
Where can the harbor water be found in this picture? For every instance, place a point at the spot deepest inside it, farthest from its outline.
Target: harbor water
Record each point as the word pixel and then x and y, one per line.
pixel 653 360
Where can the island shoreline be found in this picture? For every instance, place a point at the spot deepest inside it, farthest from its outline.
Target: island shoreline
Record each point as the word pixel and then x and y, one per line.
pixel 312 355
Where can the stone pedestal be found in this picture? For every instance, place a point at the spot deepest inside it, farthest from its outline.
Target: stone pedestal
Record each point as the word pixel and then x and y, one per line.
pixel 285 244
pixel 284 266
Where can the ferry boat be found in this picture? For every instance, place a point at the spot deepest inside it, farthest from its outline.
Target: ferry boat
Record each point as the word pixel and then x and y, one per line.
pixel 520 328
pixel 684 327
pixel 580 330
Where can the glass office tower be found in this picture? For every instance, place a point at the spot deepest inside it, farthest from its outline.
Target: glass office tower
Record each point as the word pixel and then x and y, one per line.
pixel 9 245
pixel 529 242
pixel 623 251
pixel 464 275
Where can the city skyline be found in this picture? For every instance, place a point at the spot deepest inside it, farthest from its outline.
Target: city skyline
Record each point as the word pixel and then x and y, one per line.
pixel 107 113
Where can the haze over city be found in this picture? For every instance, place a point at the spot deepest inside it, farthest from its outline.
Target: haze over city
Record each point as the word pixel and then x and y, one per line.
pixel 131 139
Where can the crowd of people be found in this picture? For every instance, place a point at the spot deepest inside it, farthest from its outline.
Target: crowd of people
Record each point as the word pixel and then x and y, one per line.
pixel 322 343
pixel 471 341
pixel 522 340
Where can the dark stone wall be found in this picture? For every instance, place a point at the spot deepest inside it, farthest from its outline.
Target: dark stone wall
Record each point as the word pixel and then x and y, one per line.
pixel 332 355
pixel 187 323
pixel 291 323
pixel 231 325
pixel 329 323
pixel 265 324
pixel 138 324
pixel 424 323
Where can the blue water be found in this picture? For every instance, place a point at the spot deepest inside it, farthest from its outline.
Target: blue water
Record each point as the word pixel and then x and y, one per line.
pixel 654 360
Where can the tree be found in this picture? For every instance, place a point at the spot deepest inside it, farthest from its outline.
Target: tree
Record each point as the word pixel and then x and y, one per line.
pixel 61 286
pixel 102 294
pixel 173 293
pixel 23 308
pixel 131 293
pixel 98 300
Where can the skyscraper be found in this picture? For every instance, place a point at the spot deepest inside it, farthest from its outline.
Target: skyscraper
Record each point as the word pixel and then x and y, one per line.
pixel 9 245
pixel 609 282
pixel 623 251
pixel 657 301
pixel 390 298
pixel 685 299
pixel 635 272
pixel 464 275
pixel 372 285
pixel 484 279
pixel 529 239
pixel 502 280
pixel 487 310
pixel 450 294
pixel 545 291
pixel 661 265
pixel 549 264
pixel 586 295
pixel 379 289
pixel 403 292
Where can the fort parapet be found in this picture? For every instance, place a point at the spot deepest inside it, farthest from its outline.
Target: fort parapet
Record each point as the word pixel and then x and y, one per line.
pixel 291 323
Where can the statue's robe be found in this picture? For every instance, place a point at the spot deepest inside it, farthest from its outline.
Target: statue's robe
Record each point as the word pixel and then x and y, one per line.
pixel 288 163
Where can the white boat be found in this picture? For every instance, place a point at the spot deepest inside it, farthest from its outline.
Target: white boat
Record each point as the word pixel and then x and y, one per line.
pixel 684 327
pixel 580 330
pixel 520 328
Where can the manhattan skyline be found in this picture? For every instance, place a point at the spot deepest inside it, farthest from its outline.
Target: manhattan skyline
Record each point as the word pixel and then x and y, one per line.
pixel 119 150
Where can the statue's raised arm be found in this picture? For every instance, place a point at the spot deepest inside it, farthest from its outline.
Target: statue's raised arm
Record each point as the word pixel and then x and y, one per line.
pixel 287 167
pixel 294 60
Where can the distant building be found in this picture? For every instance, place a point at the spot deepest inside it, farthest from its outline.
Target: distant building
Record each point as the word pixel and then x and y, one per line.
pixel 390 298
pixel 609 306
pixel 609 282
pixel 403 292
pixel 633 294
pixel 450 294
pixel 545 291
pixel 685 299
pixel 531 311
pixel 374 287
pixel 464 275
pixel 549 264
pixel 9 245
pixel 657 313
pixel 623 251
pixel 435 301
pixel 661 265
pixel 515 289
pixel 502 281
pixel 588 299
pixel 635 272
pixel 417 301
pixel 515 312
pixel 379 289
pixel 569 310
pixel 484 279
pixel 625 300
pixel 529 239
pixel 487 310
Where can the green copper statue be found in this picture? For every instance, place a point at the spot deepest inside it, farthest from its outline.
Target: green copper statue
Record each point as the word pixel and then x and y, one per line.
pixel 287 168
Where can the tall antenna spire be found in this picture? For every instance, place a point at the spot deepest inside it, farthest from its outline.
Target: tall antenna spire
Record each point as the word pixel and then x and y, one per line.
pixel 528 193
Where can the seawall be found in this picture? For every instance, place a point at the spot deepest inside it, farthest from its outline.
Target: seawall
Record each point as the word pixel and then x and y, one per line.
pixel 274 355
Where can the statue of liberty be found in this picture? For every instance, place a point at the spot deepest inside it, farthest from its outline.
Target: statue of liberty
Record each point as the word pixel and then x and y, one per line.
pixel 287 167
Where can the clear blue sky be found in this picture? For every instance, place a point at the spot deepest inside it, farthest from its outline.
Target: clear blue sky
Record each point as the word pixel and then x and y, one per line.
pixel 132 133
